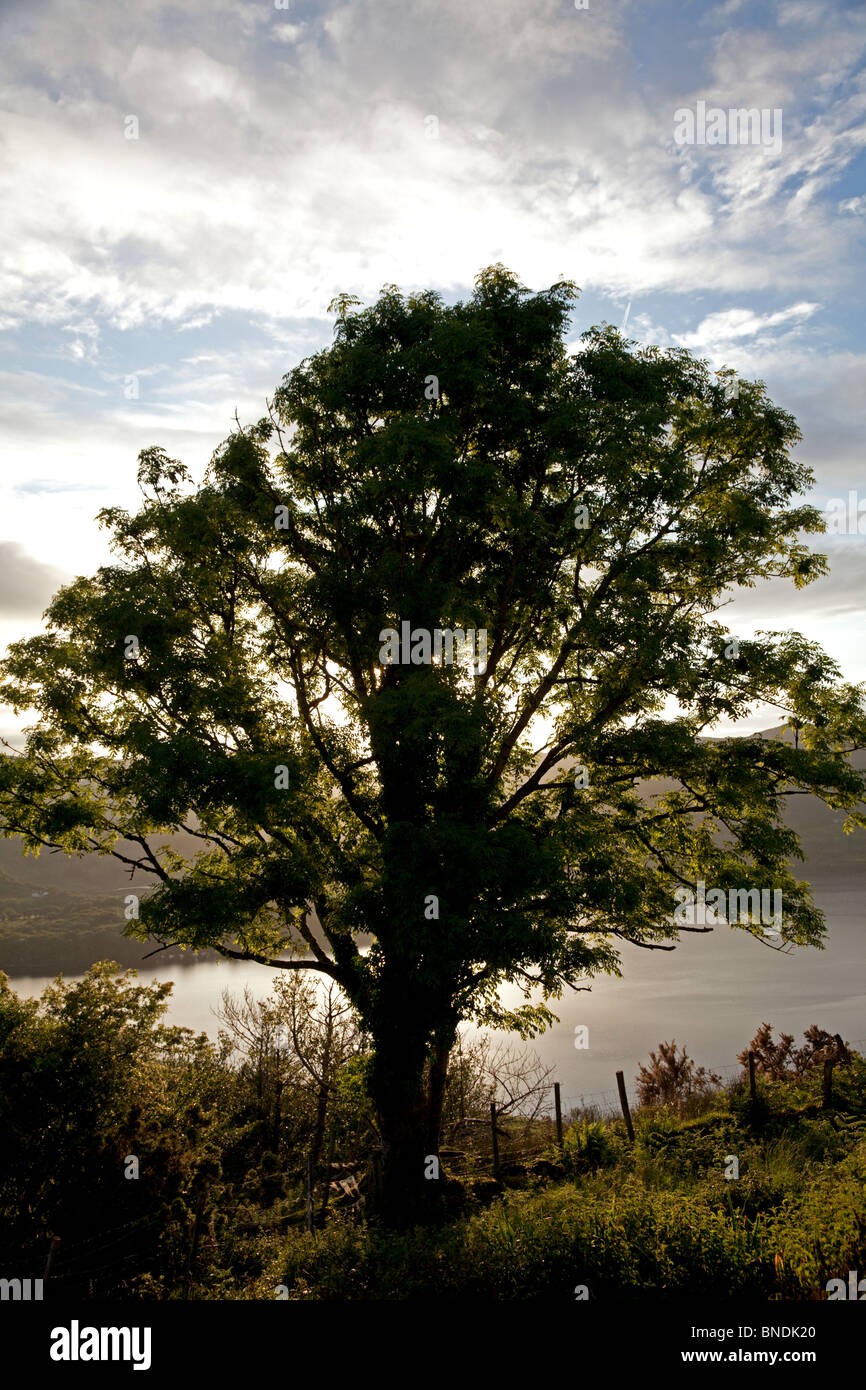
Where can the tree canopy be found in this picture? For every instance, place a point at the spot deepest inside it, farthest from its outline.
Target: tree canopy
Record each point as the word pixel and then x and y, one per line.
pixel 453 468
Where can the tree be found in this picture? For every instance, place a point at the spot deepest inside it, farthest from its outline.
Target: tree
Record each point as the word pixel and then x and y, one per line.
pixel 449 468
pixel 83 1078
pixel 299 1048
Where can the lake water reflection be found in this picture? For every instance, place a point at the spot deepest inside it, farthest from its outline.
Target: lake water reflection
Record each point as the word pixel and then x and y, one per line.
pixel 710 994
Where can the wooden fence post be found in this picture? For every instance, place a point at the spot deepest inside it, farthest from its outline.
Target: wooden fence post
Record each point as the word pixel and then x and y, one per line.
pixel 309 1221
pixel 558 1103
pixel 623 1100
pixel 752 1088
pixel 828 1084
pixel 196 1232
pixel 495 1139
pixel 55 1241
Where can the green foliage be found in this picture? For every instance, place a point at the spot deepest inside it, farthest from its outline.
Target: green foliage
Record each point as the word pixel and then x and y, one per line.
pixel 683 1148
pixel 587 1144
pixel 257 602
pixel 89 1074
pixel 849 1087
pixel 753 1112
pixel 661 1222
pixel 77 1096
pixel 629 1243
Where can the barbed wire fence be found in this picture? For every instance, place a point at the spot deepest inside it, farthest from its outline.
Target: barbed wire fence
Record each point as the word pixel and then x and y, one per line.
pixel 519 1141
pixel 608 1103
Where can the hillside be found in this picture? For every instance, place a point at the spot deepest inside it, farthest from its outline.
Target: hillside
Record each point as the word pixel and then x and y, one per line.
pixel 44 930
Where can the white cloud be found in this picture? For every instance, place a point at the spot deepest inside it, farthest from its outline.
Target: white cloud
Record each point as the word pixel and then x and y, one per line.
pixel 26 584
pixel 288 33
pixel 800 12
pixel 281 159
pixel 267 174
pixel 717 331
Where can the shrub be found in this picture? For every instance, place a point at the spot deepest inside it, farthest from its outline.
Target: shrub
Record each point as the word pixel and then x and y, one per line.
pixel 587 1145
pixel 671 1079
pixel 779 1060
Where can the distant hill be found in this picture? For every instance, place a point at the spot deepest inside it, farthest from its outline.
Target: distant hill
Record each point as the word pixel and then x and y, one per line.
pixel 93 873
pixel 830 854
pixel 60 914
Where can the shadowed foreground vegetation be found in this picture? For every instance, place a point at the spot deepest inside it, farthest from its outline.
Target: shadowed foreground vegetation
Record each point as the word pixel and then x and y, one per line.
pixel 658 1219
pixel 93 1086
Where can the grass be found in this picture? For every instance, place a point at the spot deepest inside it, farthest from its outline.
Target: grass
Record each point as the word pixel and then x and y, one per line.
pixel 657 1219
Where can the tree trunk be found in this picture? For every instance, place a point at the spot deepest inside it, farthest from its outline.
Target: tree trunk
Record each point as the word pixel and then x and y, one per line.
pixel 409 1191
pixel 322 1095
pixel 406 1197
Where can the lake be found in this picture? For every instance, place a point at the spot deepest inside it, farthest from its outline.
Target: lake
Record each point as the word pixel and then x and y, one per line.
pixel 710 994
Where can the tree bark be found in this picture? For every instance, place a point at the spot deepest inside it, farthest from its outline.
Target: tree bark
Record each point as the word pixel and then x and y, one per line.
pixel 406 1197
pixel 407 1192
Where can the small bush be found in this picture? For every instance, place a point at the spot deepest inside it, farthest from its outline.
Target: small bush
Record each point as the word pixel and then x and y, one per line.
pixel 671 1079
pixel 753 1114
pixel 780 1060
pixel 587 1145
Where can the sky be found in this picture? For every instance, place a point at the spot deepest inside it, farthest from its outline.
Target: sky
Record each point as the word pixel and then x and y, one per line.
pixel 186 187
